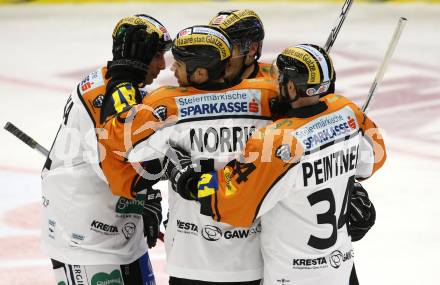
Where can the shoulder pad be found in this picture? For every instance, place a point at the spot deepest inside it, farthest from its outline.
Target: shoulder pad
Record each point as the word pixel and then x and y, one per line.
pixel 166 92
pixel 91 81
pixel 261 83
pixel 332 99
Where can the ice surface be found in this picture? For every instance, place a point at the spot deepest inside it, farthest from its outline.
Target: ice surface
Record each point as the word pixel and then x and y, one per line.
pixel 46 49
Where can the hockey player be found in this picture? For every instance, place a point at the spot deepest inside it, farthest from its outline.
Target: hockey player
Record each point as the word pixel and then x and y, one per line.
pixel 213 119
pixel 94 235
pixel 296 175
pixel 216 117
pixel 246 31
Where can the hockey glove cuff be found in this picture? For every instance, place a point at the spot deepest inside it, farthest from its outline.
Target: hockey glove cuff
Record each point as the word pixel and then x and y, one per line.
pixel 181 172
pixel 362 213
pixel 152 216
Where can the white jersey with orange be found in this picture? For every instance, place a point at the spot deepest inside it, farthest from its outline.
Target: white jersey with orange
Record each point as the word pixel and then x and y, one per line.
pixel 83 221
pixel 211 124
pixel 296 178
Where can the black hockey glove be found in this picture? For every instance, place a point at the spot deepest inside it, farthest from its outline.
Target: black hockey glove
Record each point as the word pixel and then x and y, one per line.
pixel 362 213
pixel 152 216
pixel 133 51
pixel 181 172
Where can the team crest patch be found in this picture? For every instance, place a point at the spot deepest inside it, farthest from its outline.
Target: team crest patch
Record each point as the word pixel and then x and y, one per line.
pixel 283 152
pixel 128 230
pixel 160 113
pixel 97 103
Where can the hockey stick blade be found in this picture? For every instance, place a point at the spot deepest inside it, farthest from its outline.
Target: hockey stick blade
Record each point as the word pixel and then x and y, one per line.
pixel 335 31
pixel 385 62
pixel 25 138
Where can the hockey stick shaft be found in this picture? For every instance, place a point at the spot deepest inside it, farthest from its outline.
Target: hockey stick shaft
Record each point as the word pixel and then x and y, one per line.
pixel 335 31
pixel 385 62
pixel 25 138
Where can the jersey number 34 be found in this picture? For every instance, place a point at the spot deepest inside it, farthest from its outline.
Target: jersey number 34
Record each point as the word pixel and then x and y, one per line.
pixel 329 217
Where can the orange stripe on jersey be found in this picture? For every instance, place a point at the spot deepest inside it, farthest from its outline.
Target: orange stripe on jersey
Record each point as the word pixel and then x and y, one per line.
pixel 374 137
pixel 367 127
pixel 242 187
pixel 118 137
pixel 126 130
pixel 372 132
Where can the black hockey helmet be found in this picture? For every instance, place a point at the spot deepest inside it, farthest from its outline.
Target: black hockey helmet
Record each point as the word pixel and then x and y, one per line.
pixel 309 67
pixel 243 27
pixel 203 46
pixel 131 36
pixel 165 42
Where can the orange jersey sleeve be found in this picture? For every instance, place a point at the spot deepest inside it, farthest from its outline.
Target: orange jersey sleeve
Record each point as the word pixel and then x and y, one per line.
pixel 119 135
pixel 236 193
pixel 372 146
pixel 372 141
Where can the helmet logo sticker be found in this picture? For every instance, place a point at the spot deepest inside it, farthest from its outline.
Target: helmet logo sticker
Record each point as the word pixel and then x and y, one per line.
pixel 322 88
pixel 185 32
pixel 320 58
pixel 237 16
pixel 309 62
pixel 206 30
pixel 218 20
pixel 135 20
pixel 205 36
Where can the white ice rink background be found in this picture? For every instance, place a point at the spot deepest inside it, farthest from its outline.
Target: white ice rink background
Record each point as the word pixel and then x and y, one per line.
pixel 46 49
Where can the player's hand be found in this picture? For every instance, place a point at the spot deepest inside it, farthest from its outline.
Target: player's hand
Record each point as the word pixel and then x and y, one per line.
pixel 362 213
pixel 181 172
pixel 133 51
pixel 135 43
pixel 152 216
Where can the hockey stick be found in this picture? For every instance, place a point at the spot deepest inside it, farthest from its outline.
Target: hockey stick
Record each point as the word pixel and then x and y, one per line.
pixel 10 127
pixel 385 62
pixel 26 139
pixel 335 31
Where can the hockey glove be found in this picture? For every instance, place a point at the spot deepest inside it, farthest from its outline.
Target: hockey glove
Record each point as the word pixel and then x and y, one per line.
pixel 133 51
pixel 152 216
pixel 362 213
pixel 181 172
